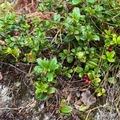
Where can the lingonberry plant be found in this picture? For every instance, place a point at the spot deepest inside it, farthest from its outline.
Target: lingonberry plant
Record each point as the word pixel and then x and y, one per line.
pixel 45 70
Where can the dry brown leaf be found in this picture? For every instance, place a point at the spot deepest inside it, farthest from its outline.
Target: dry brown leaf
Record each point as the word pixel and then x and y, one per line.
pixel 2 43
pixel 1 76
pixel 118 74
pixel 87 98
pixel 42 15
pixel 26 5
pixel 69 98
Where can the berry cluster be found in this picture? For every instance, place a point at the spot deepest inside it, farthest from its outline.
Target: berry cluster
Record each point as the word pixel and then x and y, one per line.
pixel 16 33
pixel 110 49
pixel 86 78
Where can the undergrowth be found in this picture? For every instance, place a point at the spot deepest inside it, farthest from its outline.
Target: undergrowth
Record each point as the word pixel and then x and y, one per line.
pixel 78 39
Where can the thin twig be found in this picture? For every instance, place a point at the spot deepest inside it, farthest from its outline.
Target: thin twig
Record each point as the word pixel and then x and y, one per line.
pixel 14 67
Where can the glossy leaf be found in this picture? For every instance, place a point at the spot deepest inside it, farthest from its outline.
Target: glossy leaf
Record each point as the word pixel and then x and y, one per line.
pixel 50 77
pixel 51 90
pixel 53 64
pixel 96 37
pixel 78 69
pixel 112 80
pixel 92 63
pixel 57 17
pixel 91 1
pixel 41 96
pixel 80 55
pixel 111 60
pixel 110 54
pixel 66 109
pixel 75 2
pixel 38 70
pixel 70 59
pixel 96 81
pixel 69 38
pixel 83 108
pixel 76 13
pixel 100 91
pixel 118 40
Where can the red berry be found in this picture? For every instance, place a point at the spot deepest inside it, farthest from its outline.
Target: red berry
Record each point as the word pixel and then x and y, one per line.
pixel 70 8
pixel 85 76
pixel 30 56
pixel 110 49
pixel 16 33
pixel 86 80
pixel 29 21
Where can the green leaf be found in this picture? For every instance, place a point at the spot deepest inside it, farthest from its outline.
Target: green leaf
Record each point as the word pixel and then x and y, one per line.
pixel 53 64
pixel 94 60
pixel 96 84
pixel 40 87
pixel 43 86
pixel 91 75
pixel 40 62
pixel 96 37
pixel 111 60
pixel 37 91
pixel 62 55
pixel 38 70
pixel 112 80
pixel 76 13
pixel 81 74
pixel 110 54
pixel 51 90
pixel 50 77
pixel 75 2
pixel 83 108
pixel 56 17
pixel 6 5
pixel 80 55
pixel 104 57
pixel 65 51
pixel 98 7
pixel 91 1
pixel 37 84
pixel 41 96
pixel 96 81
pixel 70 71
pixel 66 109
pixel 118 40
pixel 45 63
pixel 63 100
pixel 69 38
pixel 54 60
pixel 92 64
pixel 30 57
pixel 86 69
pixel 100 91
pixel 78 69
pixel 68 75
pixel 16 52
pixel 114 40
pixel 70 59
